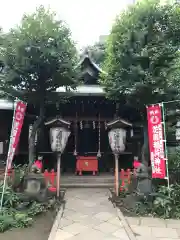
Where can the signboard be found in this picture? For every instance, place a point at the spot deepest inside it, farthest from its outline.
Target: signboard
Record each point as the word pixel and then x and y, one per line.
pixel 18 119
pixel 156 141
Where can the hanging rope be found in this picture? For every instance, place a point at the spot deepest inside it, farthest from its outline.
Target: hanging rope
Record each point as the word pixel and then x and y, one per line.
pixel 99 138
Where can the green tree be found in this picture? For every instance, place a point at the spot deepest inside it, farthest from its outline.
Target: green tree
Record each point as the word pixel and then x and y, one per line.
pixel 38 56
pixel 141 55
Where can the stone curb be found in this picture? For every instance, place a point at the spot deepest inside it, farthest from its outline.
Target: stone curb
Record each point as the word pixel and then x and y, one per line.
pixel 124 223
pixel 56 223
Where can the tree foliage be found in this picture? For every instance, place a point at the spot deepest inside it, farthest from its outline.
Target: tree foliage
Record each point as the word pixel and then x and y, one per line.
pixel 142 54
pixel 39 56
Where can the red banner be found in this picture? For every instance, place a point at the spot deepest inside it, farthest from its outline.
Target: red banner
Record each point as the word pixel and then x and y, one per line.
pixel 19 113
pixel 156 141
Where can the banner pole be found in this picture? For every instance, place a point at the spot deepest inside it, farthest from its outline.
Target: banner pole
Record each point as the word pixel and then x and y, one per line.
pixel 165 142
pixel 6 169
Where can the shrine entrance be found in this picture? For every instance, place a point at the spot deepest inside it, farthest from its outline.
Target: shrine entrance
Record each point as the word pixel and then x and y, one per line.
pixel 89 142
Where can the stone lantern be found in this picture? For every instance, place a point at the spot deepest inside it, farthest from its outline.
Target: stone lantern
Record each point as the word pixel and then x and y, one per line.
pixel 117 141
pixel 59 134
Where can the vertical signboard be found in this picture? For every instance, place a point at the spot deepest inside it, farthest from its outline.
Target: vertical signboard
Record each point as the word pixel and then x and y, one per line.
pixel 156 141
pixel 17 124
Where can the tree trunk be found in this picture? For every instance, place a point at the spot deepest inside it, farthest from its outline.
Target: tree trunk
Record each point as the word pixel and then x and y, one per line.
pixel 35 127
pixel 145 150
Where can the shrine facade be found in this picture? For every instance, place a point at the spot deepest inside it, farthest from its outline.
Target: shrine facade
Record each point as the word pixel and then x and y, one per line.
pixel 89 113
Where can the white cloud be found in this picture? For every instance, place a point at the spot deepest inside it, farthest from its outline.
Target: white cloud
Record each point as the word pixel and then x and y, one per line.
pixel 87 19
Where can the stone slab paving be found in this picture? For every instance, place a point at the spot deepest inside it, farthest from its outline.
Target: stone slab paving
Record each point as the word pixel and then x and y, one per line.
pixel 147 228
pixel 89 215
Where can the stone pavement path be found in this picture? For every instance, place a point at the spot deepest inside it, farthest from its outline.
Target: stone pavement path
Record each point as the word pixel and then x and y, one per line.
pixel 89 215
pixel 147 228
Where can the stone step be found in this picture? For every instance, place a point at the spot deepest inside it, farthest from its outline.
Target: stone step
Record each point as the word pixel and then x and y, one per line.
pixel 87 185
pixel 92 183
pixel 87 179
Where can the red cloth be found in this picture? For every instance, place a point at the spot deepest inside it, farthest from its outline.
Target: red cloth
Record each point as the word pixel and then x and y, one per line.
pixel 136 164
pixel 38 164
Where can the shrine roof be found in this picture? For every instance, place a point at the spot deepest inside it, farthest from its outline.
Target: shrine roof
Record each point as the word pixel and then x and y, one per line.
pixel 57 119
pixel 83 90
pixel 6 104
pixel 86 57
pixel 90 89
pixel 120 121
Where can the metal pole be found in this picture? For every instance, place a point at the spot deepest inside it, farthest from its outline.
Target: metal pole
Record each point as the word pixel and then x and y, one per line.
pixel 116 174
pixel 6 169
pixel 58 173
pixel 165 142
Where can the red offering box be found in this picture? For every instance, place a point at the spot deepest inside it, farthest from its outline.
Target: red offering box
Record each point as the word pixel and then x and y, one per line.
pixel 86 164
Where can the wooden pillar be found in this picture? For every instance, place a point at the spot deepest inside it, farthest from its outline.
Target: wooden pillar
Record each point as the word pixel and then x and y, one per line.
pixel 58 173
pixel 116 174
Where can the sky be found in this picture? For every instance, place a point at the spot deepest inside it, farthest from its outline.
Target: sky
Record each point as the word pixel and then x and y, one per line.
pixel 86 19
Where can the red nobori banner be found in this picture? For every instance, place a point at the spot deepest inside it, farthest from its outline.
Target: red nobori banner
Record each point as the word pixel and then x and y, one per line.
pixel 156 141
pixel 19 113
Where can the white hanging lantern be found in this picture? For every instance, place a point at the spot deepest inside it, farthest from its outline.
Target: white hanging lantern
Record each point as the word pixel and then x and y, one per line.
pixel 75 153
pixel 59 137
pixel 94 125
pixel 117 140
pixel 178 130
pixel 132 133
pixel 105 125
pixel 81 125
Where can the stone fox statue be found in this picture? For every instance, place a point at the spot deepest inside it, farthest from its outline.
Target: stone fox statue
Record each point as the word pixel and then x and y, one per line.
pixel 37 166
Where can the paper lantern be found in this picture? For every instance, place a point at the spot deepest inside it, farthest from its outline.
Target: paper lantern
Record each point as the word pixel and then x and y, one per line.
pixel 117 140
pixel 58 138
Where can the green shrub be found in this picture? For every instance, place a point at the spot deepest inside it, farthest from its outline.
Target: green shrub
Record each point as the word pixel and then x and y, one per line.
pixel 10 217
pixel 165 205
pixel 174 159
pixel 10 199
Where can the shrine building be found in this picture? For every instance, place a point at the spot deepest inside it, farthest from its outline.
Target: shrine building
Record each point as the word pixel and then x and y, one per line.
pixel 90 115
